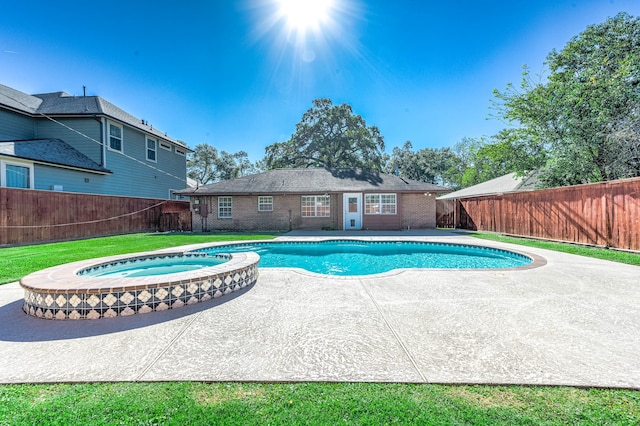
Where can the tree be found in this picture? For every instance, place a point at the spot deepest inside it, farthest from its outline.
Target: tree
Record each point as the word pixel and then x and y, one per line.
pixel 511 150
pixel 591 94
pixel 207 165
pixel 329 136
pixel 438 166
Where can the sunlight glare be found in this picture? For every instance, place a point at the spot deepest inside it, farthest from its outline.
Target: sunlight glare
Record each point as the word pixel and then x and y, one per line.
pixel 302 15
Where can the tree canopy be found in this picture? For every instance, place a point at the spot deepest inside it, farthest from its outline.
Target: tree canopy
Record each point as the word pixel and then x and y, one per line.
pixel 439 166
pixel 207 165
pixel 329 136
pixel 585 115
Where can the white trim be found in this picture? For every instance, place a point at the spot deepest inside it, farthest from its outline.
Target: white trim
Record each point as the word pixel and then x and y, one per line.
pixel 3 170
pixel 147 139
pixel 271 203
pixel 79 169
pixel 109 124
pixel 352 217
pixel 315 205
pixel 381 204
pixel 181 152
pixel 165 145
pixel 230 207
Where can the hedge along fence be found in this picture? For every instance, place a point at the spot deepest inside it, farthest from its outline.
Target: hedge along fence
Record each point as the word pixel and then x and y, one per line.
pixel 604 214
pixel 31 216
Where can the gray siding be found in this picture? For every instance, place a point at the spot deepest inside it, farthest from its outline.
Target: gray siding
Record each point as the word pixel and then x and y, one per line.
pixel 129 177
pixel 16 126
pixel 45 177
pixel 87 126
pixel 132 178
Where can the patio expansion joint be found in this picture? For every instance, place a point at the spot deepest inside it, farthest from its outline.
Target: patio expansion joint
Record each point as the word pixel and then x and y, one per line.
pixel 167 347
pixel 394 332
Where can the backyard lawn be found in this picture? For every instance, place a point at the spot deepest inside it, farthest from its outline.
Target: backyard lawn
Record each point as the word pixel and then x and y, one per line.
pixel 16 262
pixel 196 403
pixel 192 403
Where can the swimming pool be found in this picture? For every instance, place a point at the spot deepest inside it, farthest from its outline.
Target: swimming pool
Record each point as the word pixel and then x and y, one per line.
pixel 150 266
pixel 351 257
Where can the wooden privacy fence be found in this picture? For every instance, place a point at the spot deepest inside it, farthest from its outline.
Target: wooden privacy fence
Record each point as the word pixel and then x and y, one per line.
pixel 445 213
pixel 28 216
pixel 605 214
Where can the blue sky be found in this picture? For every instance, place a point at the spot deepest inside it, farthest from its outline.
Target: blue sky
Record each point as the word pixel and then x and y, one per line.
pixel 237 75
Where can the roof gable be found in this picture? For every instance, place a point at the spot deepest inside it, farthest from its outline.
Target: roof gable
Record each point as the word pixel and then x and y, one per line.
pixel 314 180
pixel 507 183
pixel 62 103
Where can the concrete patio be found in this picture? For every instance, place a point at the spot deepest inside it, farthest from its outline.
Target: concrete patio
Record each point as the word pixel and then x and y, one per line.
pixel 573 321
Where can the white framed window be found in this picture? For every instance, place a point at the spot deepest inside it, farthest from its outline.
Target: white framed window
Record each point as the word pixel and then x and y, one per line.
pixel 16 174
pixel 316 206
pixel 152 150
pixel 166 146
pixel 224 207
pixel 380 204
pixel 265 204
pixel 115 137
pixel 181 152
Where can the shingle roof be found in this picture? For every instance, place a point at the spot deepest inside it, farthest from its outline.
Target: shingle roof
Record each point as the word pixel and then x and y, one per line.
pixel 51 151
pixel 19 101
pixel 313 180
pixel 61 103
pixel 507 183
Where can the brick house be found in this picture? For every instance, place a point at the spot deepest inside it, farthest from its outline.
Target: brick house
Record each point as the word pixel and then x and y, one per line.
pixel 314 199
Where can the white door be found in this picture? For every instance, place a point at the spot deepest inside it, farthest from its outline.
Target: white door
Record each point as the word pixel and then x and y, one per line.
pixel 352 211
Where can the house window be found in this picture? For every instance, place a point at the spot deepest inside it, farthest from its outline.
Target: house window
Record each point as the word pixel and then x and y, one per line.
pixel 181 152
pixel 165 146
pixel 152 149
pixel 316 206
pixel 380 204
pixel 115 137
pixel 265 204
pixel 17 176
pixel 224 207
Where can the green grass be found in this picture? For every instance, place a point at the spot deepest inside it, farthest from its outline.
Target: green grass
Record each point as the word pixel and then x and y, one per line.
pixel 192 403
pixel 17 262
pixel 595 252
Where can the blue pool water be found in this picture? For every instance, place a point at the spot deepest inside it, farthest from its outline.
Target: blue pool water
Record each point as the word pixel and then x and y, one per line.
pixel 161 265
pixel 342 257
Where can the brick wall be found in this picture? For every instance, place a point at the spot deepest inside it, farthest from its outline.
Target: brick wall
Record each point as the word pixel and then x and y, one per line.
pixel 414 210
pixel 286 215
pixel 418 211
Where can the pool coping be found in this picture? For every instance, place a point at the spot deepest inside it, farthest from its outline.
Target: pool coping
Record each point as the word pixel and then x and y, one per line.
pixel 537 261
pixel 65 279
pixel 60 293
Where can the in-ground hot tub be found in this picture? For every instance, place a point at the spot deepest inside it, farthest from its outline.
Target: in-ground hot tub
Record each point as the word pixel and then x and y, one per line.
pixel 135 284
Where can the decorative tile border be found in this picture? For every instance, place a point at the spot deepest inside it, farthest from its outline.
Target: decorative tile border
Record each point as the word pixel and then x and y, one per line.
pixel 109 298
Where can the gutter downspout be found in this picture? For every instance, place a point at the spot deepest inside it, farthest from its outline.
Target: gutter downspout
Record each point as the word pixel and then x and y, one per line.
pixel 102 139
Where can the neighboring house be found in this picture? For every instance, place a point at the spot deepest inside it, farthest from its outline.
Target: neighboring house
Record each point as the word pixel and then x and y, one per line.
pixel 60 142
pixel 507 183
pixel 314 198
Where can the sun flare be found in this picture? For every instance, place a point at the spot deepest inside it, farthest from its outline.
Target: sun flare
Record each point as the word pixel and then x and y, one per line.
pixel 304 15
